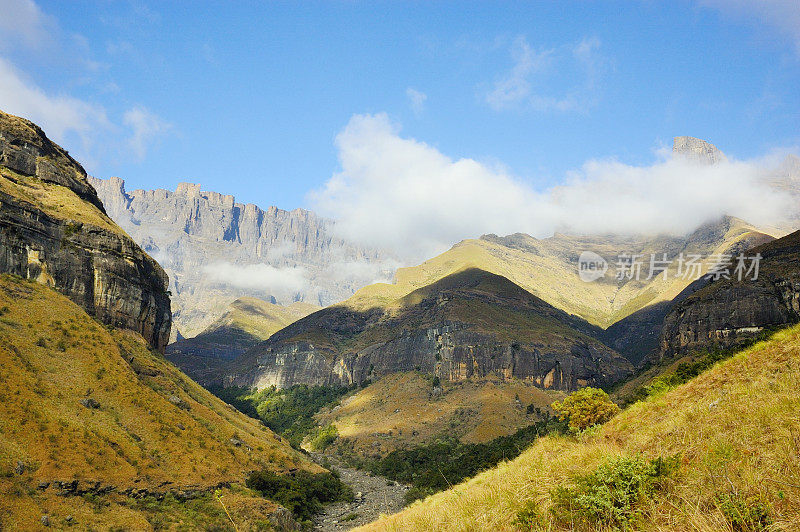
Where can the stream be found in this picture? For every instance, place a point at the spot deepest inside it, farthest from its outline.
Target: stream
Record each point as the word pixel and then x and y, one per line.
pixel 374 495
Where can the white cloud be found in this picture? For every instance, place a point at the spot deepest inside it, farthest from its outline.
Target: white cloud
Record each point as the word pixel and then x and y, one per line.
pixel 146 127
pixel 405 195
pixel 525 85
pixel 58 115
pixel 279 282
pixel 23 23
pixel 416 99
pixel 783 15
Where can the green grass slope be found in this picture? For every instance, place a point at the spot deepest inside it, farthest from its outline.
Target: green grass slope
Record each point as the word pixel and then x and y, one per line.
pixel 736 429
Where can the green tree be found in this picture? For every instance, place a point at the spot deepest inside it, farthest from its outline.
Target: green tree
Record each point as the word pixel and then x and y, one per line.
pixel 585 408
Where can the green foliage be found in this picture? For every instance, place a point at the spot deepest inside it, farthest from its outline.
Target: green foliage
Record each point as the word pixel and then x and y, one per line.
pixel 301 492
pixel 322 437
pixel 613 494
pixel 744 514
pixel 585 408
pixel 288 412
pixel 686 371
pixel 529 516
pixel 441 464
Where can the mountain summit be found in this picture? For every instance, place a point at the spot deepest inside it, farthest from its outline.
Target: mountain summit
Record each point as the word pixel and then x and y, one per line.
pixel 697 150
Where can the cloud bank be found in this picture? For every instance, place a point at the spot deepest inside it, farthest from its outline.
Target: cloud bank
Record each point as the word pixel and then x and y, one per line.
pixel 278 282
pixel 405 195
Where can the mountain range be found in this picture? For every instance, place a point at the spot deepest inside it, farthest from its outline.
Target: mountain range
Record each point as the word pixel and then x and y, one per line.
pixel 216 250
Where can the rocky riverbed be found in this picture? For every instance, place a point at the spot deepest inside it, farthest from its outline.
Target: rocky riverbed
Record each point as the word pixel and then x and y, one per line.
pixel 374 496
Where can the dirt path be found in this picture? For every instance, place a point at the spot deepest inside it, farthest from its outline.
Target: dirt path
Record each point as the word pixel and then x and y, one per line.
pixel 374 496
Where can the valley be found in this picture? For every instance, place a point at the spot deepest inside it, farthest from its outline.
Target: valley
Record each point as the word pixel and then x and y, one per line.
pixel 451 267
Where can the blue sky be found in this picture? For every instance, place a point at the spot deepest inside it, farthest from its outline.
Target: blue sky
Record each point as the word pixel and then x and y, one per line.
pixel 248 98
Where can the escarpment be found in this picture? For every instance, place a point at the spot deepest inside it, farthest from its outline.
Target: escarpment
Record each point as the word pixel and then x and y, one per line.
pixel 54 229
pixel 727 312
pixel 472 324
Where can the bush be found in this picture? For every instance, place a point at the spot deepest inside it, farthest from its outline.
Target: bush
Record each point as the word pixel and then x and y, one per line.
pixel 744 514
pixel 613 493
pixel 436 466
pixel 323 437
pixel 529 516
pixel 586 407
pixel 302 493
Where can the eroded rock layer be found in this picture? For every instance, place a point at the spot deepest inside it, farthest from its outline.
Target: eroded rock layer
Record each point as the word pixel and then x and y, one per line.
pixel 53 229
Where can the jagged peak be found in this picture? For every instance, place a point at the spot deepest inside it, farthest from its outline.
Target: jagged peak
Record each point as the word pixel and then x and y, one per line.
pixel 697 150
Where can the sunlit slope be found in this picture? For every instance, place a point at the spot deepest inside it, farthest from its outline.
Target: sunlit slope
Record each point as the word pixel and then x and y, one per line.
pixel 735 426
pixel 80 402
pixel 548 268
pixel 403 410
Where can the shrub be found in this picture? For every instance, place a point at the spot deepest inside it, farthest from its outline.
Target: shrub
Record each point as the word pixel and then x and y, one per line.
pixel 584 408
pixel 302 493
pixel 529 517
pixel 323 437
pixel 744 514
pixel 438 465
pixel 613 493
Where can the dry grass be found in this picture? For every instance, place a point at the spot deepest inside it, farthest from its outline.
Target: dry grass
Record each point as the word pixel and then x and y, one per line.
pixel 737 428
pixel 53 355
pixel 547 270
pixel 55 200
pixel 399 411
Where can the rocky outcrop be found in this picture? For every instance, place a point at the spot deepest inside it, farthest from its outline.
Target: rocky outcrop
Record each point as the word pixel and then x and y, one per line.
pixel 471 324
pixel 727 312
pixel 216 250
pixel 637 336
pixel 78 251
pixel 697 150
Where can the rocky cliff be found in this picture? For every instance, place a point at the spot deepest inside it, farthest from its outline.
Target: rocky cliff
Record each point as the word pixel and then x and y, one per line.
pixel 471 324
pixel 697 150
pixel 53 229
pixel 216 250
pixel 726 312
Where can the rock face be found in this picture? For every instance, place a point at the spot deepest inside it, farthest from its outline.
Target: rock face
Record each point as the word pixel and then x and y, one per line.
pixel 726 312
pixel 471 324
pixel 697 150
pixel 53 229
pixel 216 250
pixel 637 336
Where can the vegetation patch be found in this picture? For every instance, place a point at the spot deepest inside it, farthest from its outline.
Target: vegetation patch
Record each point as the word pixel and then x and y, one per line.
pixel 613 494
pixel 586 408
pixel 301 492
pixel 447 462
pixel 744 514
pixel 289 412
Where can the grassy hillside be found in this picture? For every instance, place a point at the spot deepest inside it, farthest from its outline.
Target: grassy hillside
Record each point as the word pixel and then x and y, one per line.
pixel 734 427
pixel 81 402
pixel 548 268
pixel 401 411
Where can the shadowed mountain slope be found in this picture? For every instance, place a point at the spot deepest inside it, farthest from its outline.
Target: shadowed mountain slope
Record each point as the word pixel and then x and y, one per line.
pixel 469 324
pixel 247 322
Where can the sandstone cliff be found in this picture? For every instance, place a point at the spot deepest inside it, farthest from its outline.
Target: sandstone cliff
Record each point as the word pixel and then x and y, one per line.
pixel 471 324
pixel 53 229
pixel 725 312
pixel 216 250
